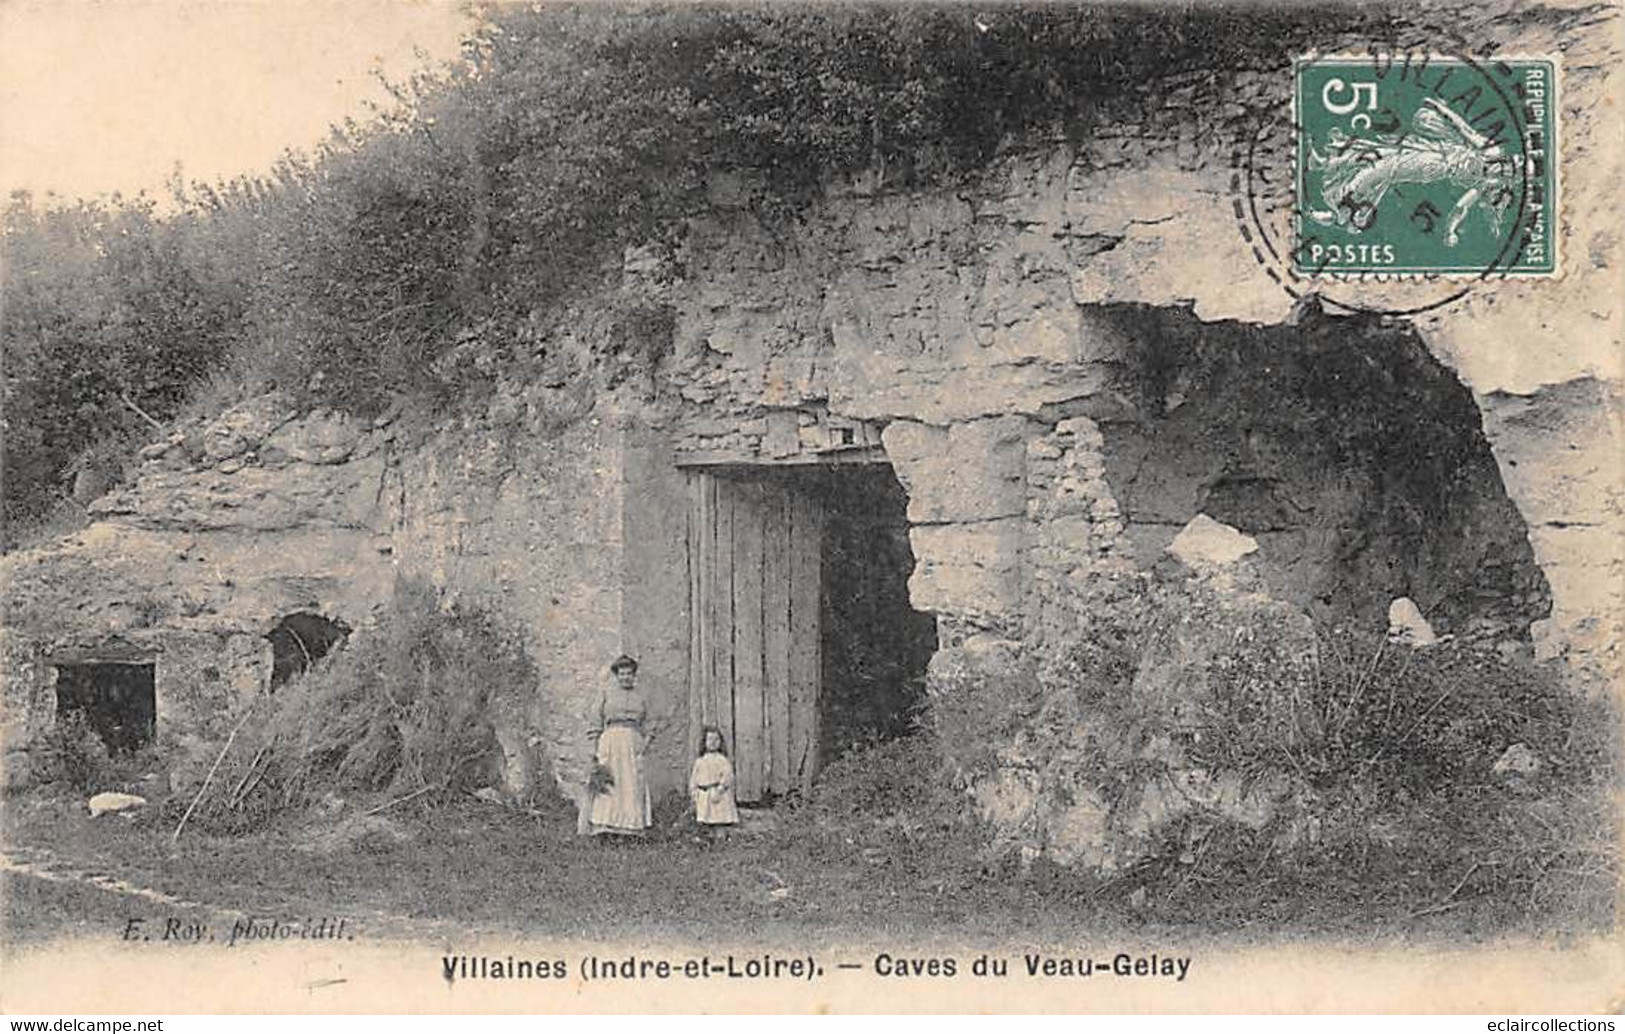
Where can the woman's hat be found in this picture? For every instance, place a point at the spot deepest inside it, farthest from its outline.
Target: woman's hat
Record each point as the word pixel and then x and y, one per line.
pixel 623 662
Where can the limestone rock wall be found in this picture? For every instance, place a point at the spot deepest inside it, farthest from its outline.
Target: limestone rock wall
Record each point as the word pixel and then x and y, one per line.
pixel 952 307
pixel 978 325
pixel 229 525
pixel 235 522
pixel 1080 555
pixel 573 534
pixel 967 503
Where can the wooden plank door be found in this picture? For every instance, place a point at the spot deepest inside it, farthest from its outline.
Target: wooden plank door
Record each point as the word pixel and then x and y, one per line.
pixel 751 763
pixel 755 550
pixel 804 515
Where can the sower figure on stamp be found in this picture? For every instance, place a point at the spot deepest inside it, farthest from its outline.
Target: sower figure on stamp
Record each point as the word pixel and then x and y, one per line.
pixel 618 792
pixel 1441 147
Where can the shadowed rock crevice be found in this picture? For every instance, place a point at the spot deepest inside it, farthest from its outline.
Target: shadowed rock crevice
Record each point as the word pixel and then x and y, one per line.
pixel 876 646
pixel 1357 461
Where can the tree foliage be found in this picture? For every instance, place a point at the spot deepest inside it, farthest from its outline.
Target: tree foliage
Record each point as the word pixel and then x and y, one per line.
pixel 106 325
pixel 500 186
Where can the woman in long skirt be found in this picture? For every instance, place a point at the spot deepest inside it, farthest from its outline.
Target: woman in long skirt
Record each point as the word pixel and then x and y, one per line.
pixel 619 790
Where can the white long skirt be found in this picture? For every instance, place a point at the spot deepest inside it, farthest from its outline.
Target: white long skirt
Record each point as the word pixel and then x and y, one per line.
pixel 624 807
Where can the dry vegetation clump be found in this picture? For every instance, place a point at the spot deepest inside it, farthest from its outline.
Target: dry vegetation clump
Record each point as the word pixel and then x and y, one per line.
pixel 74 753
pixel 1249 767
pixel 405 711
pixel 892 804
pixel 1423 781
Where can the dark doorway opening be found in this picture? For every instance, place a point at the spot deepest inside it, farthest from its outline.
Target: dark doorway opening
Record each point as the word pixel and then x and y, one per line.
pixel 299 641
pixel 117 701
pixel 802 642
pixel 875 645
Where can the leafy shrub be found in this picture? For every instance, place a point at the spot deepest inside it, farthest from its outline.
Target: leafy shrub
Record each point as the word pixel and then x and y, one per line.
pixel 104 325
pixel 405 709
pixel 896 805
pixel 882 782
pixel 73 752
pixel 1396 805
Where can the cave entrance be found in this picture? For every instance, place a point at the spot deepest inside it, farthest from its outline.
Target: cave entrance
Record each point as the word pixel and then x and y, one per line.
pixel 117 700
pixel 1342 446
pixel 802 639
pixel 299 641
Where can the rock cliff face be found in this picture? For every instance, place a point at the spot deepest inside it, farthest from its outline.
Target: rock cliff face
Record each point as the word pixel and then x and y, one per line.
pixel 1066 359
pixel 230 526
pixel 996 302
pixel 969 319
pixel 1079 352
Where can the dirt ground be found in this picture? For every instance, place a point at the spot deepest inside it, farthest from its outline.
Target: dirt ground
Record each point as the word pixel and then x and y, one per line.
pixel 481 869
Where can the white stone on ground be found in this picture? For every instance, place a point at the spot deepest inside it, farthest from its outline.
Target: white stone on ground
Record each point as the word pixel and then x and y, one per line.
pixel 1518 759
pixel 1407 625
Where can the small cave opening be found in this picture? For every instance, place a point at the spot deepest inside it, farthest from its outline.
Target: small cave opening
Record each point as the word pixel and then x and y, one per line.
pixel 1354 457
pixel 116 699
pixel 300 640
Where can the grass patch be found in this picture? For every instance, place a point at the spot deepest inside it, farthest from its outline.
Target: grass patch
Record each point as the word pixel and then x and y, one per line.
pixel 879 850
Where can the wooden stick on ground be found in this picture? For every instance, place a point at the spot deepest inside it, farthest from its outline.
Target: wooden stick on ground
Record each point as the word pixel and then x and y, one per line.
pixel 138 411
pixel 210 776
pixel 240 791
pixel 419 792
pixel 427 786
pixel 1447 903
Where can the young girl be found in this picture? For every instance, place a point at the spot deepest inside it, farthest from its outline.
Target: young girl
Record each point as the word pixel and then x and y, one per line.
pixel 711 785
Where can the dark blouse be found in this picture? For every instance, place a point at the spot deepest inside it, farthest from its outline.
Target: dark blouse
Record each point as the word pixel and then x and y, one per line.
pixel 625 706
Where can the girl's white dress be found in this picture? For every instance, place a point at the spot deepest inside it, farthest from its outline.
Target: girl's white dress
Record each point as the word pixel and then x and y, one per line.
pixel 711 787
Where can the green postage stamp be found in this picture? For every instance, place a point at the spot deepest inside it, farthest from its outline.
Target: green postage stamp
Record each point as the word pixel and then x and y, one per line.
pixel 1426 164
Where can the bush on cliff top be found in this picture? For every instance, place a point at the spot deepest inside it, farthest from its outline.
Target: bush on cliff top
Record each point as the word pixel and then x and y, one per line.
pixel 505 184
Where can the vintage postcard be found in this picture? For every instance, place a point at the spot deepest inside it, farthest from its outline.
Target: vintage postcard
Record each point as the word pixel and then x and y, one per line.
pixel 766 508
